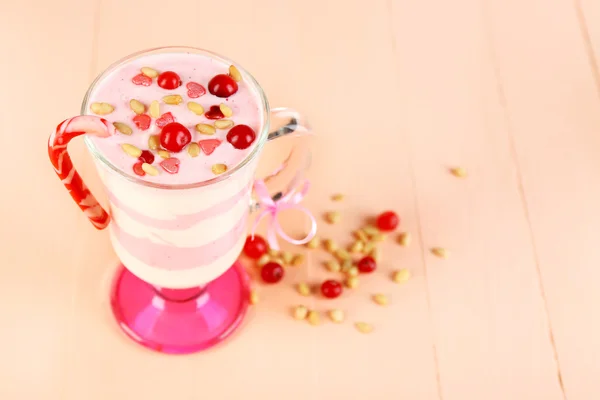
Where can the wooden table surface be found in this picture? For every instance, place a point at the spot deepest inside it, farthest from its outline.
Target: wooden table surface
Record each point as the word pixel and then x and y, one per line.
pixel 397 91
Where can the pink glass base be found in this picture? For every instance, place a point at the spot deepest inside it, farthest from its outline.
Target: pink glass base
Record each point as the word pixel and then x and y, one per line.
pixel 180 321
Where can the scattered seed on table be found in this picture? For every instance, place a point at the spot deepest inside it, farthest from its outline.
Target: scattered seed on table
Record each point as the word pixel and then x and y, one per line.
pixel 333 217
pixel 273 252
pixel 440 252
pixel 330 245
pixel 303 289
pixel 370 230
pixel 333 265
pixel 379 237
pixel 376 254
pixel 353 271
pixel 314 318
pixel 336 316
pixel 380 299
pixel 300 312
pixel 363 327
pixel 337 197
pixel 459 172
pixel 361 235
pixel 297 260
pixel 287 257
pixel 369 246
pixel 265 258
pixel 342 254
pixel 352 282
pixel 401 276
pixel 356 247
pixel 314 243
pixel 346 265
pixel 254 297
pixel 404 239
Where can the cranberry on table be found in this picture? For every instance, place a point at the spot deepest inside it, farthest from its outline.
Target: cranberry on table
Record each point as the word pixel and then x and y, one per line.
pixel 331 289
pixel 367 264
pixel 169 80
pixel 271 272
pixel 174 137
pixel 222 85
pixel 388 221
pixel 241 136
pixel 146 157
pixel 255 247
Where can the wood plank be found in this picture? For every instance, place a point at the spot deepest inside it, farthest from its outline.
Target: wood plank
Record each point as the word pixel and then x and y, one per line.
pixel 553 105
pixel 491 329
pixel 45 69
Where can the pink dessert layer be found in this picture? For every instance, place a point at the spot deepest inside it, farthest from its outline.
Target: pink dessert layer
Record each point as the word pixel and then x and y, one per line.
pixel 118 88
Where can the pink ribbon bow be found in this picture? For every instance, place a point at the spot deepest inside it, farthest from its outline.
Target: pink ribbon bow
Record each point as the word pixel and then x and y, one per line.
pixel 273 207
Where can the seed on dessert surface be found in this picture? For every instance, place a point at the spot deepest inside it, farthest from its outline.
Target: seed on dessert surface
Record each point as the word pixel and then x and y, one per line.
pixel 193 149
pixel 101 108
pixel 206 129
pixel 380 299
pixel 356 247
pixel 337 197
pixel 223 123
pixel 123 128
pixel 154 109
pixel 333 217
pixel 401 276
pixel 287 257
pixel 254 297
pixel 352 271
pixel 154 142
pixel 370 230
pixel 149 72
pixel 369 246
pixel 346 265
pixel 218 169
pixel 342 254
pixel 297 260
pixel 149 169
pixel 376 254
pixel 195 108
pixel 234 73
pixel 303 289
pixel 440 252
pixel 352 282
pixel 173 99
pixel 313 317
pixel 404 239
pixel 378 237
pixel 131 150
pixel 314 243
pixel 136 106
pixel 330 245
pixel 361 235
pixel 336 315
pixel 363 327
pixel 226 110
pixel 459 172
pixel 300 312
pixel 333 265
pixel 265 258
pixel 163 154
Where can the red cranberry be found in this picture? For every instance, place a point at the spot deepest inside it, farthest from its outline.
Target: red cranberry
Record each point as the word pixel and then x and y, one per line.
pixel 169 80
pixel 214 113
pixel 137 168
pixel 222 86
pixel 388 221
pixel 255 247
pixel 367 265
pixel 331 289
pixel 146 157
pixel 174 137
pixel 271 272
pixel 241 136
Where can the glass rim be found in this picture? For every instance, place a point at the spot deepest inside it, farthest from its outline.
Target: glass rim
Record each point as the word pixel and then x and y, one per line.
pixel 262 136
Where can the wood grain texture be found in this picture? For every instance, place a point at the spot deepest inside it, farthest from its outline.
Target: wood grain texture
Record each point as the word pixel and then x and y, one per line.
pixel 398 92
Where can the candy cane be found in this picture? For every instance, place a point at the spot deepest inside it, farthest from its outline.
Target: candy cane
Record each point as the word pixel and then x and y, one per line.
pixel 59 156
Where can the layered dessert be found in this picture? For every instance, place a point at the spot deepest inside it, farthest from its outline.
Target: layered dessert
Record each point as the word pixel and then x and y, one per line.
pixel 182 120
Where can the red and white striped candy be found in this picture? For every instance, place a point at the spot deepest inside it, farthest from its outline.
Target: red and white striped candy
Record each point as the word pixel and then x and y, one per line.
pixel 59 156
